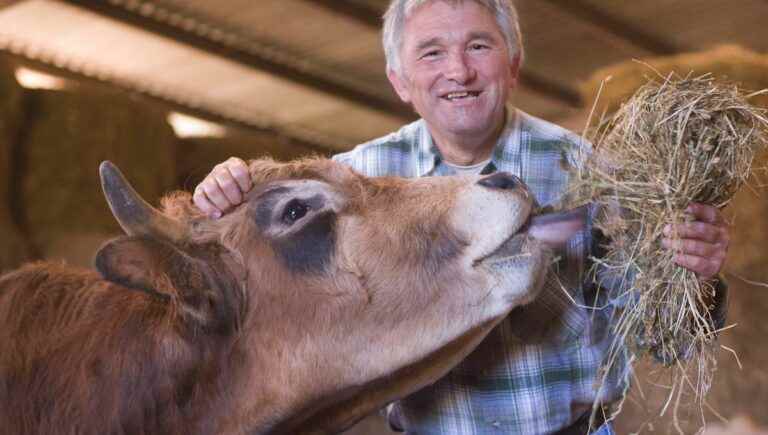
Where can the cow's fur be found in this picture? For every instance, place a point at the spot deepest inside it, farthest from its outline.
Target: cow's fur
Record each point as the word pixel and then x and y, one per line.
pixel 257 322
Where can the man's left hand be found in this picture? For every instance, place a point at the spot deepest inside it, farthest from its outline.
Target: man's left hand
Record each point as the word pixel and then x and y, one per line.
pixel 701 244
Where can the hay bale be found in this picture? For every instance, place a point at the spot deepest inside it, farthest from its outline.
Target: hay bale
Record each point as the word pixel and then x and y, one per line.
pixel 744 67
pixel 13 249
pixel 197 156
pixel 70 133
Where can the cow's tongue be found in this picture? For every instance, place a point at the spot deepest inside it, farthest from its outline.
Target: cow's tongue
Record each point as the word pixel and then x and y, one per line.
pixel 555 229
pixel 548 230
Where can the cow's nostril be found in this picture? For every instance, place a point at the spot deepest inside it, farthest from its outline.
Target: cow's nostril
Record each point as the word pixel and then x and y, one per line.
pixel 500 180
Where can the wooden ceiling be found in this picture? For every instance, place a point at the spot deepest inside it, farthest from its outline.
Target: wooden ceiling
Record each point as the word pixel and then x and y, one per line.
pixel 314 69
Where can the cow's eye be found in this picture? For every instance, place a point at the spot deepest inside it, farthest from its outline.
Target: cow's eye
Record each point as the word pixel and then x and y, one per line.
pixel 294 211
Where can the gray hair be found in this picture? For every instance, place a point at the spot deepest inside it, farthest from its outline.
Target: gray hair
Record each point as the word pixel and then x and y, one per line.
pixel 399 10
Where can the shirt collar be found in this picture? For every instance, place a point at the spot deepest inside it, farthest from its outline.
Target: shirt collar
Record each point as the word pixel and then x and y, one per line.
pixel 509 143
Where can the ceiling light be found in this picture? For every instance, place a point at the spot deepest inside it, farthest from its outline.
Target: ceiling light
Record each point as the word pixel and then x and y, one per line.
pixel 33 79
pixel 189 126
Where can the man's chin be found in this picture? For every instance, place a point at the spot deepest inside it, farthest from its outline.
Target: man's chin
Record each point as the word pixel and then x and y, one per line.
pixel 471 125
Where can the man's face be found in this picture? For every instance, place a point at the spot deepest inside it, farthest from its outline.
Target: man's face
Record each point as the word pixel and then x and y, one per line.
pixel 456 69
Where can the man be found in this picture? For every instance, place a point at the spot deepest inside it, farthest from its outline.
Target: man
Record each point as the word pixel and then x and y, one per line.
pixel 456 62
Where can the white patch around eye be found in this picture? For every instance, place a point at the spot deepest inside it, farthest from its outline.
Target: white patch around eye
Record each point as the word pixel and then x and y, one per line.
pixel 319 196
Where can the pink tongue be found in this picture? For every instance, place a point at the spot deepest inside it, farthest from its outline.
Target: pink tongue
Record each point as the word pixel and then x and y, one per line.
pixel 555 229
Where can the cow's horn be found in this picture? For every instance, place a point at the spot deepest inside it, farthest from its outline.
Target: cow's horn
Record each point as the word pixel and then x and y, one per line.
pixel 136 216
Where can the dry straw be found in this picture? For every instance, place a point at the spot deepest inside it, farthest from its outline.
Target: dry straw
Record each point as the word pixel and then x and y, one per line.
pixel 678 140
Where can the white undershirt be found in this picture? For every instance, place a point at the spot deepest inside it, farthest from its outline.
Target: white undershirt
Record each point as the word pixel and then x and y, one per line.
pixel 467 170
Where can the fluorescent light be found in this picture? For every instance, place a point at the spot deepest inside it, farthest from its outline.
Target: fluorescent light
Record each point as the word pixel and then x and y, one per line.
pixel 32 79
pixel 189 126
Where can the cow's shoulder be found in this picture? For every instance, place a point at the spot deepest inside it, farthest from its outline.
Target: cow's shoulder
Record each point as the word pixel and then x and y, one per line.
pixel 389 155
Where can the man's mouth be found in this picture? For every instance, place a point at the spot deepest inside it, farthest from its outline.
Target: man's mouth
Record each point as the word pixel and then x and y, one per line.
pixel 459 96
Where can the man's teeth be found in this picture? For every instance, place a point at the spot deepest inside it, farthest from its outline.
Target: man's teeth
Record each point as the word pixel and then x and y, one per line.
pixel 458 95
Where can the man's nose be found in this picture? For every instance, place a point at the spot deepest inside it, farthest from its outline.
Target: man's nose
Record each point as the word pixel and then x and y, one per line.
pixel 458 69
pixel 501 180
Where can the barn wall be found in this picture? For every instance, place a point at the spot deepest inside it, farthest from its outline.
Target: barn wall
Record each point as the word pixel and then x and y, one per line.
pixel 13 248
pixel 51 144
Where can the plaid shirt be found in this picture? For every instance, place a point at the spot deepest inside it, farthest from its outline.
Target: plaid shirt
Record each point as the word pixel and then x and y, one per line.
pixel 538 371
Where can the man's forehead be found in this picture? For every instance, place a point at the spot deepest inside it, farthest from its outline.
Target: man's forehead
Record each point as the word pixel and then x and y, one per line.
pixel 442 37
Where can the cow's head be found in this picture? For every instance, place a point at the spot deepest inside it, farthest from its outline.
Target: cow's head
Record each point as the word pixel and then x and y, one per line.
pixel 342 292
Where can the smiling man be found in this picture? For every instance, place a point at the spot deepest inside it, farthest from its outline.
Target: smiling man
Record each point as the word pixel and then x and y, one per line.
pixel 456 63
pixel 456 71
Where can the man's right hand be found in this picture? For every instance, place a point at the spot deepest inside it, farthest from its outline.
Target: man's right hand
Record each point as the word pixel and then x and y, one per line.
pixel 224 188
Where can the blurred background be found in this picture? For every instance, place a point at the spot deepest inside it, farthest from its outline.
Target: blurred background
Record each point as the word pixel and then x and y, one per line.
pixel 168 88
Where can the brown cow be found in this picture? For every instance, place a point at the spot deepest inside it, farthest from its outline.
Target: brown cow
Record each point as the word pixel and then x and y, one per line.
pixel 323 297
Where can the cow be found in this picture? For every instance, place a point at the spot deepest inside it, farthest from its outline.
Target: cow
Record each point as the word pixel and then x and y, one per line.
pixel 321 298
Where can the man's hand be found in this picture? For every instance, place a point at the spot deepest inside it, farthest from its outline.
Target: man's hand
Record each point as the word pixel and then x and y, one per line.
pixel 223 188
pixel 701 244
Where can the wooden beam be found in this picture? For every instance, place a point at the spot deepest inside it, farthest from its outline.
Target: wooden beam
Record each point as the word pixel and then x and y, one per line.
pixel 623 29
pixel 372 17
pixel 184 27
pixel 361 12
pixel 549 88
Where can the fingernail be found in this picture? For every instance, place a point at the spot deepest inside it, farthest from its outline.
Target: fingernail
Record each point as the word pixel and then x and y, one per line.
pixel 665 243
pixel 216 215
pixel 667 230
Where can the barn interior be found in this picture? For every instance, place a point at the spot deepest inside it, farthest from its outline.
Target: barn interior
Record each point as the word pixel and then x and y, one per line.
pixel 168 88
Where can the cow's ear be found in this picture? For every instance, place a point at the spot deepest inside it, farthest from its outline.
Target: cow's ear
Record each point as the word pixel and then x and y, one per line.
pixel 137 262
pixel 161 269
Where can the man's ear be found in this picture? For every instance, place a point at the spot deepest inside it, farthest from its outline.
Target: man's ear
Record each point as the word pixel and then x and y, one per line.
pixel 515 71
pixel 161 269
pixel 399 83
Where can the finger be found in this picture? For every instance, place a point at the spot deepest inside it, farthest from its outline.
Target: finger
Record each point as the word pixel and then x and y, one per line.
pixel 239 170
pixel 215 195
pixel 228 186
pixel 703 231
pixel 703 267
pixel 695 247
pixel 201 201
pixel 242 175
pixel 705 213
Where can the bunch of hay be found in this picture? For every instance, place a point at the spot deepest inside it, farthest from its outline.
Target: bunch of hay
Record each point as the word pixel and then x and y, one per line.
pixel 678 140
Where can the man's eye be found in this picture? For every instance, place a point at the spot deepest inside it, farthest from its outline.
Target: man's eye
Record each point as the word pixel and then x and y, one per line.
pixel 478 47
pixel 429 54
pixel 294 211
